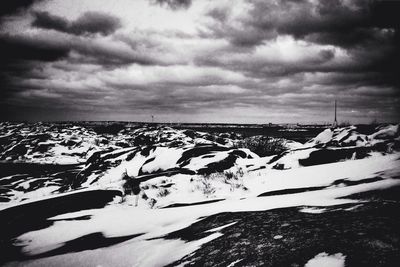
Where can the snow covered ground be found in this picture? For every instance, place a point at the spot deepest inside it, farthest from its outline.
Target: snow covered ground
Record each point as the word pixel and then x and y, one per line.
pixel 185 176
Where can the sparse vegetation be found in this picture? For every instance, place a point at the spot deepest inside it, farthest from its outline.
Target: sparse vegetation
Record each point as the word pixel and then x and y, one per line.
pixel 163 192
pixel 263 145
pixel 232 175
pixel 235 179
pixel 205 186
pixel 231 178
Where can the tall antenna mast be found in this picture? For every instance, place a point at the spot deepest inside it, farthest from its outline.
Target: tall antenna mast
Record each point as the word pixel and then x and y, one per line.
pixel 335 121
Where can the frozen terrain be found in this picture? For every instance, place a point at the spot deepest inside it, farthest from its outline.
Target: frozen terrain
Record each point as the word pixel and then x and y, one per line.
pixel 256 200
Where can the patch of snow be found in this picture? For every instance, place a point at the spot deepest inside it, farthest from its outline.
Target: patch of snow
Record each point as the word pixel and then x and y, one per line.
pixel 39 193
pixel 323 137
pixel 163 158
pixel 129 253
pixel 389 131
pixel 323 259
pixel 234 263
pixel 353 208
pixel 291 159
pixel 200 162
pixel 217 229
pixel 290 144
pixel 203 141
pixel 312 210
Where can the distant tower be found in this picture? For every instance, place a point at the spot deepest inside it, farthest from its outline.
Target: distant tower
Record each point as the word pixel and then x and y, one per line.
pixel 152 119
pixel 335 124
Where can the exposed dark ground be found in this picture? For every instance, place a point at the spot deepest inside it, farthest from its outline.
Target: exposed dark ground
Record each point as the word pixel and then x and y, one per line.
pixel 10 168
pixel 368 235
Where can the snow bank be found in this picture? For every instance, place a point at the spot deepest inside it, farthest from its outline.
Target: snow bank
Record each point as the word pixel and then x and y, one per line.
pixel 349 136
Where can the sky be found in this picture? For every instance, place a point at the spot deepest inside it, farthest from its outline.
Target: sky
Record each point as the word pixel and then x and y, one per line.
pixel 227 61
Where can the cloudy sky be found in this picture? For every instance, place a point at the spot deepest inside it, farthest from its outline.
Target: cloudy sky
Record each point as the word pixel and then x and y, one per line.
pixel 250 61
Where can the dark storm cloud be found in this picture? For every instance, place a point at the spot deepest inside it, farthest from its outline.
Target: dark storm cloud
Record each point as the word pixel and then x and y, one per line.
pixel 20 55
pixel 24 57
pixel 47 21
pixel 14 48
pixel 173 4
pixel 87 24
pixel 327 16
pixel 9 7
pixel 321 60
pixel 344 23
pixel 385 14
pixel 368 31
pixel 368 19
pixel 95 22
